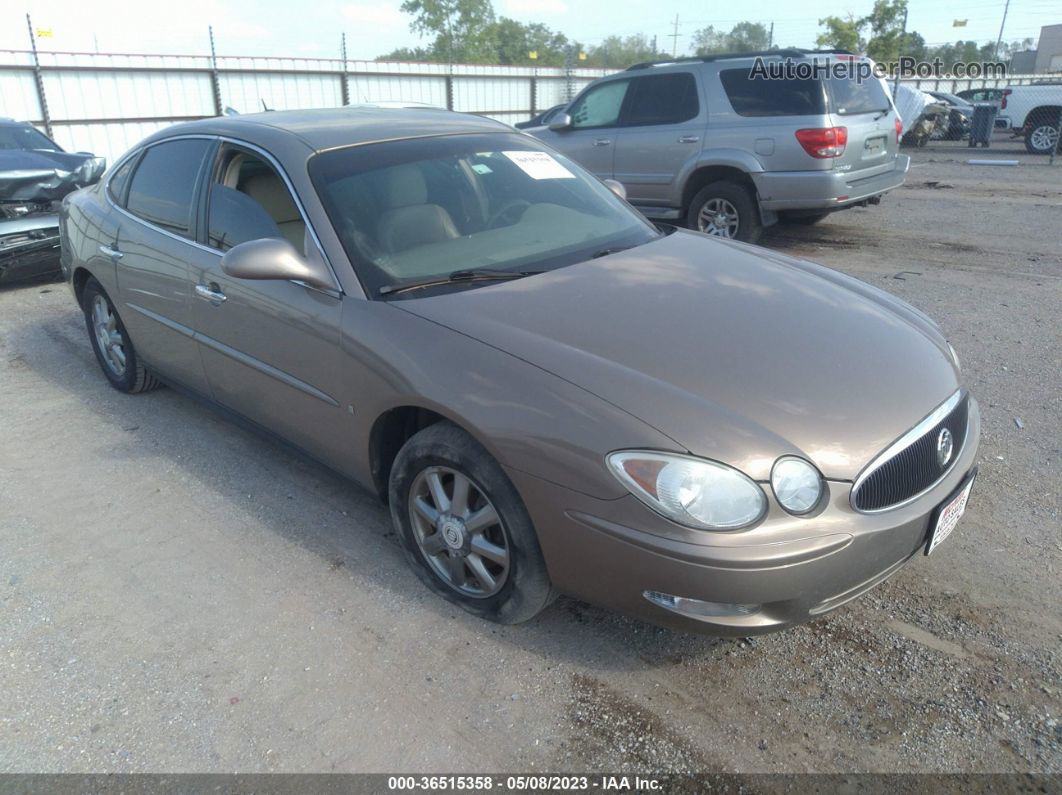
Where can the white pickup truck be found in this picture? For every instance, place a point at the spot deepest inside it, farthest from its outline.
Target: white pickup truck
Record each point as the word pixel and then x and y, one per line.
pixel 1035 112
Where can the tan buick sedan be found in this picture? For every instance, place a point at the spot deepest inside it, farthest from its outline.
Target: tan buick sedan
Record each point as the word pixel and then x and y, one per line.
pixel 552 394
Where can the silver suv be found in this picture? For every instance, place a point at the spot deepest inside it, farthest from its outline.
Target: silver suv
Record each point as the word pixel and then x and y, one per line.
pixel 705 142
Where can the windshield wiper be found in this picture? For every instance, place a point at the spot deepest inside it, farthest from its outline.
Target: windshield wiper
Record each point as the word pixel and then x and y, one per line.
pixel 476 275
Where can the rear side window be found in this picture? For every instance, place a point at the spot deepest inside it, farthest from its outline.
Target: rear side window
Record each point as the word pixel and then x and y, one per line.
pixel 600 106
pixel 662 99
pixel 848 96
pixel 760 97
pixel 162 191
pixel 116 185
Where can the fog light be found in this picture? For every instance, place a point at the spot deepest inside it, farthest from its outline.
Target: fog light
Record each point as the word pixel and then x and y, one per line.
pixel 695 607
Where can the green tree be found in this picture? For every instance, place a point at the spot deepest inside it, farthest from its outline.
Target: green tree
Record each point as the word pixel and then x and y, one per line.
pixel 743 37
pixel 459 27
pixel 618 52
pixel 885 22
pixel 842 33
pixel 511 41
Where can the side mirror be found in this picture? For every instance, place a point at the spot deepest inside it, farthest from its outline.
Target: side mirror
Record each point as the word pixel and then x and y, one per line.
pixel 562 121
pixel 274 258
pixel 616 187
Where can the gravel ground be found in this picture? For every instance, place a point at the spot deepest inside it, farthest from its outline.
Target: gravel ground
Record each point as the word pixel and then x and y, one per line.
pixel 177 594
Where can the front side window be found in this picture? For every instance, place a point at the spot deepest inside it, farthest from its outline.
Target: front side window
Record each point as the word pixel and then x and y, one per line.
pixel 600 106
pixel 248 200
pixel 412 210
pixel 162 190
pixel 662 99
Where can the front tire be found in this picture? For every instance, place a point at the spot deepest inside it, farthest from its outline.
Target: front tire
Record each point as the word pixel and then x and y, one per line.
pixel 464 528
pixel 725 209
pixel 111 342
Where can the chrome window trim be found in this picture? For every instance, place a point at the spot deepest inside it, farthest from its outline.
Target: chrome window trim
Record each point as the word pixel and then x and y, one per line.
pixel 905 441
pixel 336 292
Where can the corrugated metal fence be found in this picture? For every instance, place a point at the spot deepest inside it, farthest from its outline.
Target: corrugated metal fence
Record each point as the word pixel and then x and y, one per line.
pixel 105 103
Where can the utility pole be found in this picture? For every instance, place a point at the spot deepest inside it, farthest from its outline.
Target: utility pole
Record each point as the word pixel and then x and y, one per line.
pixel 999 38
pixel 770 37
pixel 675 36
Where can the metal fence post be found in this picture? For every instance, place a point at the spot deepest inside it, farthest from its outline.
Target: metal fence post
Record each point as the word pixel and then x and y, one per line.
pixel 215 82
pixel 449 91
pixel 39 81
pixel 534 96
pixel 344 89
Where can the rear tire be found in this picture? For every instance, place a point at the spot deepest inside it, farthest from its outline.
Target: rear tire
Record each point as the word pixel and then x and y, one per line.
pixel 111 342
pixel 1042 137
pixel 480 550
pixel 725 209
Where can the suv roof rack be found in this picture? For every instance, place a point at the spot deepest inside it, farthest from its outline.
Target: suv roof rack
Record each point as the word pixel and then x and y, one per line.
pixel 788 52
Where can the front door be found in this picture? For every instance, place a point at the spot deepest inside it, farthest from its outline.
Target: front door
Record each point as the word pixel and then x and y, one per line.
pixel 591 139
pixel 270 348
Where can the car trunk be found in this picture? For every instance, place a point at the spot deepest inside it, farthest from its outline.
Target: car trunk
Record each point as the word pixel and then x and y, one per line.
pixel 865 111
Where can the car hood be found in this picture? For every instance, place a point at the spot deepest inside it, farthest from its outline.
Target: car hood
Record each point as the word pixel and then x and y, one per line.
pixel 736 353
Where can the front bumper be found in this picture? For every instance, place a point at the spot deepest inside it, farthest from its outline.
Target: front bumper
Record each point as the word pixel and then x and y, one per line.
pixel 29 246
pixel 825 190
pixel 610 552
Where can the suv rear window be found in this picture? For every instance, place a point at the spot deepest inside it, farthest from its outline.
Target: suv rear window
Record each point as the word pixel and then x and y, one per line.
pixel 760 97
pixel 662 99
pixel 849 96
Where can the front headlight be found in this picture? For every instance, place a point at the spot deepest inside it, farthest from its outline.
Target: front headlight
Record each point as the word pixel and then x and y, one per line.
pixel 694 492
pixel 797 484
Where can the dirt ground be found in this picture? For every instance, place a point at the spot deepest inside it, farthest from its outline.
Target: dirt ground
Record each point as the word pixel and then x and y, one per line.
pixel 177 594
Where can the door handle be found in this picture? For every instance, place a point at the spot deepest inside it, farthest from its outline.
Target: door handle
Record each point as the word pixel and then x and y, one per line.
pixel 113 253
pixel 602 142
pixel 211 293
pixel 689 139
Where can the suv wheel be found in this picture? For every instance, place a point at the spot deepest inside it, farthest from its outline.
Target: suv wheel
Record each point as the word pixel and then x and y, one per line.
pixel 1042 137
pixel 464 528
pixel 111 343
pixel 725 209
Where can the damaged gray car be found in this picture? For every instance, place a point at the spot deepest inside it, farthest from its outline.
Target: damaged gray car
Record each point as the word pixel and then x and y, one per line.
pixel 35 175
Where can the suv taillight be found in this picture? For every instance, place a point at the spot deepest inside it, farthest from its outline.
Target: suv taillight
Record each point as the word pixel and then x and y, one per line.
pixel 823 141
pixel 899 128
pixel 1003 99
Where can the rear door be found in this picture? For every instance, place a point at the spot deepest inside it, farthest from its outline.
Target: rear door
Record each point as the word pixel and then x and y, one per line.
pixel 663 123
pixel 153 246
pixel 591 139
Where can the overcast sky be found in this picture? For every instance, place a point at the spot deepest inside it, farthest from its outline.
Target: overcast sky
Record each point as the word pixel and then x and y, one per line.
pixel 313 27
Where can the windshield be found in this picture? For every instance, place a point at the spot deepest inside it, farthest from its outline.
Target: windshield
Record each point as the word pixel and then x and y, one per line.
pixel 408 211
pixel 25 137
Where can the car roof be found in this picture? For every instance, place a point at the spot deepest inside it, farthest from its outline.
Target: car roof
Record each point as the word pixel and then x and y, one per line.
pixel 330 128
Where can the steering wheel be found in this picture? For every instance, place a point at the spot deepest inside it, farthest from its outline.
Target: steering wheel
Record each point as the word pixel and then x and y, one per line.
pixel 510 211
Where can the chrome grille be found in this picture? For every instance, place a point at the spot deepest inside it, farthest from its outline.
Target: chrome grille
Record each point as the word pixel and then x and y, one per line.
pixel 911 466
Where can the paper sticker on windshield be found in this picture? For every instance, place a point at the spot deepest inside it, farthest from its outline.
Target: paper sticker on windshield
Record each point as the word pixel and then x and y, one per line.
pixel 539 165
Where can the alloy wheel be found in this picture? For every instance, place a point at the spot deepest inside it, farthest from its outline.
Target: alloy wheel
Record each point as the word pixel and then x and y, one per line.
pixel 1044 138
pixel 459 532
pixel 108 337
pixel 719 218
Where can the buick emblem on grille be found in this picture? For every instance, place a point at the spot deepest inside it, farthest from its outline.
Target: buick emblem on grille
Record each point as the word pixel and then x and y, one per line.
pixel 945 446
